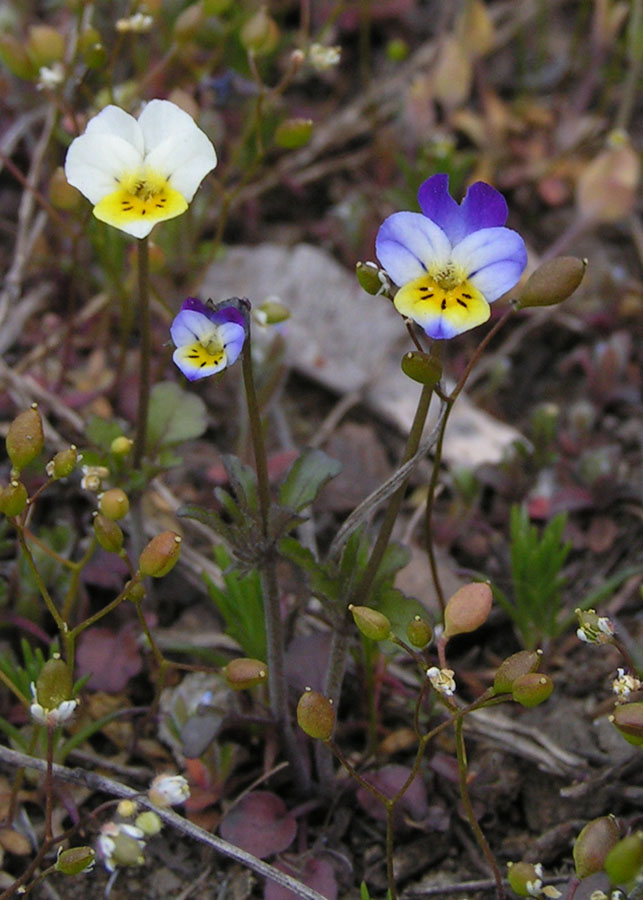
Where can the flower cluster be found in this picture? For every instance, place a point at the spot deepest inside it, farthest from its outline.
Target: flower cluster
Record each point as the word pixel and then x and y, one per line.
pixel 207 338
pixel 451 261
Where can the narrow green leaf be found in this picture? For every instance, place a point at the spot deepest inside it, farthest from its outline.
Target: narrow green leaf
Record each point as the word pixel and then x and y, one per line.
pixel 306 477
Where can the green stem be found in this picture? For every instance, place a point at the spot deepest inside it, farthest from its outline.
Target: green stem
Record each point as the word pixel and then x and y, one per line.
pixel 42 587
pixel 77 569
pixel 256 434
pixel 146 344
pixel 49 785
pixel 82 626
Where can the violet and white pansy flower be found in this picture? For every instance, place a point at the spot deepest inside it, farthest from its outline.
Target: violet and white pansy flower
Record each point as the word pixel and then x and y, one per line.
pixel 207 338
pixel 137 172
pixel 451 260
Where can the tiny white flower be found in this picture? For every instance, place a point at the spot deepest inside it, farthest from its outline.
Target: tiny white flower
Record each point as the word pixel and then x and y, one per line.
pixel 442 680
pixel 93 477
pixel 120 845
pixel 624 683
pixel 323 58
pixel 137 172
pixel 51 717
pixel 49 77
pixel 169 790
pixel 138 23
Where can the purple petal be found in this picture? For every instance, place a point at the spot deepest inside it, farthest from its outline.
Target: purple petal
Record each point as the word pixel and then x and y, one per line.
pixel 223 314
pixel 482 207
pixel 408 243
pixel 195 304
pixel 494 260
pixel 232 337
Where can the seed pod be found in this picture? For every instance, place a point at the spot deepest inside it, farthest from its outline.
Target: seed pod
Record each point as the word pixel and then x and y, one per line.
pixel 315 715
pixel 25 438
pixel 524 878
pixel 553 282
pixel 54 683
pixel 121 445
pixel 243 673
pixel 45 45
pixel 188 22
pixel 593 844
pixel 368 275
pixel 108 534
pixel 15 57
pixel 135 591
pixel 532 689
pixel 513 667
pixel 13 499
pixel 421 367
pixel 92 49
pixel 419 632
pixel 260 34
pixel 272 312
pixel 75 860
pixel 467 609
pixel 149 823
pixel 114 504
pixel 127 850
pixel 624 861
pixel 160 555
pixel 628 719
pixel 293 133
pixel 371 623
pixel 63 463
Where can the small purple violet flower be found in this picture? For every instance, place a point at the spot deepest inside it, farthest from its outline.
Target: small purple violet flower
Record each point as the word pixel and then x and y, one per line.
pixel 451 260
pixel 207 338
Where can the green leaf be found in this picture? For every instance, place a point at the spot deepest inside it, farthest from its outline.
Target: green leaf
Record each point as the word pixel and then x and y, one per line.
pixel 306 477
pixel 206 517
pixel 101 433
pixel 243 482
pixel 240 603
pixel 399 610
pixel 322 583
pixel 175 415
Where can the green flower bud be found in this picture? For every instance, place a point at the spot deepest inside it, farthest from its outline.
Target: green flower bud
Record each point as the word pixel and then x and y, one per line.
pixel 624 861
pixel 371 623
pixel 628 719
pixel 13 499
pixel 54 684
pixel 260 34
pixel 515 666
pixel 108 534
pixel 243 673
pixel 553 282
pixel 114 504
pixel 160 555
pixel 25 438
pixel 532 689
pixel 315 715
pixel 422 367
pixel 593 844
pixel 293 133
pixel 121 445
pixel 75 860
pixel 368 275
pixel 467 609
pixel 272 312
pixel 149 823
pixel 189 22
pixel 419 632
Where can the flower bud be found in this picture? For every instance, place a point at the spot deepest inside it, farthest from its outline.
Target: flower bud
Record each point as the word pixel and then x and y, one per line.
pixel 25 438
pixel 368 275
pixel 54 684
pixel 160 555
pixel 419 632
pixel 45 45
pixel 422 367
pixel 189 22
pixel 13 499
pixel 625 860
pixel 149 823
pixel 515 666
pixel 628 719
pixel 467 609
pixel 75 860
pixel 114 503
pixel 127 808
pixel 532 689
pixel 243 673
pixel 108 534
pixel 169 790
pixel 293 133
pixel 315 715
pixel 553 282
pixel 260 34
pixel 272 312
pixel 593 844
pixel 371 623
pixel 121 445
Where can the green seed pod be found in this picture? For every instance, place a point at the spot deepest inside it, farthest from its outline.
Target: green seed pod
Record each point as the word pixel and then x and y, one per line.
pixel 63 463
pixel 421 367
pixel 160 555
pixel 75 860
pixel 127 851
pixel 371 623
pixel 25 438
pixel 121 445
pixel 13 499
pixel 91 47
pixel 149 823
pixel 397 50
pixel 523 878
pixel 54 684
pixel 315 715
pixel 44 45
pixel 467 609
pixel 243 673
pixel 368 275
pixel 419 632
pixel 593 844
pixel 272 312
pixel 260 34
pixel 189 22
pixel 624 861
pixel 108 534
pixel 114 504
pixel 532 689
pixel 513 667
pixel 293 133
pixel 135 592
pixel 628 719
pixel 553 282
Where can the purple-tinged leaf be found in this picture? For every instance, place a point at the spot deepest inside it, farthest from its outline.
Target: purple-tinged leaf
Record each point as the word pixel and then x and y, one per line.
pixel 260 824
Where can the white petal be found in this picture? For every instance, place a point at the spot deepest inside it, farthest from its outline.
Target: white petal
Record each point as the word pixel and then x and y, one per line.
pixel 493 258
pixel 408 243
pixel 185 157
pixel 190 326
pixel 95 161
pixel 115 121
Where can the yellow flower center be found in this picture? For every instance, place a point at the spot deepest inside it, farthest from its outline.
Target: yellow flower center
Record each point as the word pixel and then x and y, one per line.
pixel 144 196
pixel 443 294
pixel 206 352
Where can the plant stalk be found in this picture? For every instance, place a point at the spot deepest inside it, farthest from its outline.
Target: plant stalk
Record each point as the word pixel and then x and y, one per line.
pixel 146 352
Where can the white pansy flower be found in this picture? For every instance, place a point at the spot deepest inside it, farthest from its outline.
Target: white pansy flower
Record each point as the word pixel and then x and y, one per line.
pixel 137 172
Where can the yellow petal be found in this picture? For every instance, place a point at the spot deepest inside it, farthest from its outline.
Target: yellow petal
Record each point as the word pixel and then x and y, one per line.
pixel 442 313
pixel 137 214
